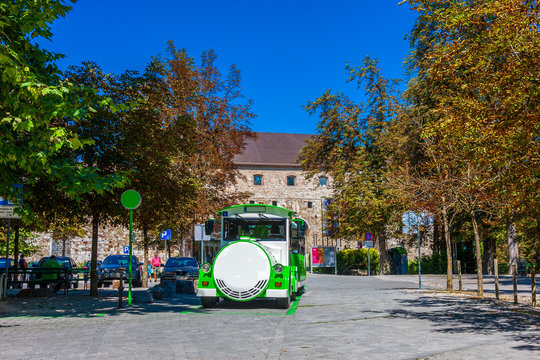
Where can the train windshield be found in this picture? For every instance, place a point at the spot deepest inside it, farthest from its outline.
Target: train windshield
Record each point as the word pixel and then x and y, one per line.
pixel 260 229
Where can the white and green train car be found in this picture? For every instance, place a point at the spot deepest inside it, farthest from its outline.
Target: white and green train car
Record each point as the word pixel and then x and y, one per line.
pixel 261 256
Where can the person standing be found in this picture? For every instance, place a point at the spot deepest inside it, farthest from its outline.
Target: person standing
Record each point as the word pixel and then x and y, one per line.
pixel 23 265
pixel 156 263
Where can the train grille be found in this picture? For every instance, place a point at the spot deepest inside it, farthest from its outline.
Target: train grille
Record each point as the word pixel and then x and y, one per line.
pixel 241 295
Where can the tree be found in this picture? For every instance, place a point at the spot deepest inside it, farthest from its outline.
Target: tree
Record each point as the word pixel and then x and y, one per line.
pixel 104 127
pixel 36 106
pixel 478 60
pixel 351 147
pixel 220 124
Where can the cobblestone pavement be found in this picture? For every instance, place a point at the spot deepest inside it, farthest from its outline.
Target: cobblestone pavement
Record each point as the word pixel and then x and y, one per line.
pixel 338 317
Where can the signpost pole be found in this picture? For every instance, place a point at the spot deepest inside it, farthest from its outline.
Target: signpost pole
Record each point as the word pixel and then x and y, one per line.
pixel 166 253
pixel 335 254
pixel 368 262
pixel 130 199
pixel 419 263
pixel 7 254
pixel 130 252
pixel 311 259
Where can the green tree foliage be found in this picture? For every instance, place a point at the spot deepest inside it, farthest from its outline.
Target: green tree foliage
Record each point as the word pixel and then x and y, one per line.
pixel 352 147
pixel 478 63
pixel 219 123
pixel 37 106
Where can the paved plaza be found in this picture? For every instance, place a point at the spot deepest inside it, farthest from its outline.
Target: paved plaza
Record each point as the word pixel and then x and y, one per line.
pixel 338 317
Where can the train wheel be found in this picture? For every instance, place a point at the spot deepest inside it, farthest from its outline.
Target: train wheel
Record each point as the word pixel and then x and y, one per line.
pixel 284 303
pixel 208 302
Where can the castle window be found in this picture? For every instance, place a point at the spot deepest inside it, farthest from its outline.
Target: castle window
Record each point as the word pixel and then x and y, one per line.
pixel 252 201
pixel 309 205
pixel 290 180
pixel 323 181
pixel 257 179
pixel 274 203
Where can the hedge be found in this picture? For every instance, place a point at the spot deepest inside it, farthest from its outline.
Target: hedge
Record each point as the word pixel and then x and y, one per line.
pixel 352 259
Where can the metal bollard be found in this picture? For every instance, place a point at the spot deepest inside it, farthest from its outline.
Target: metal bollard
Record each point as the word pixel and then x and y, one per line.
pixel 496 268
pixel 533 285
pixel 514 274
pixel 459 275
pixel 121 288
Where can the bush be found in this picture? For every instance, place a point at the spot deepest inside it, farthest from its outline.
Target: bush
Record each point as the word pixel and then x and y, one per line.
pixel 434 264
pixel 352 259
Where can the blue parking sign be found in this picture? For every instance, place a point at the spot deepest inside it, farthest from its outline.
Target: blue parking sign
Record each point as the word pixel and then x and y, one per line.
pixel 126 249
pixel 166 235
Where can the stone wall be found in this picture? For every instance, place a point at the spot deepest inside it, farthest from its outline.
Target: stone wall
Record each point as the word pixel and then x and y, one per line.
pixel 111 241
pixel 274 188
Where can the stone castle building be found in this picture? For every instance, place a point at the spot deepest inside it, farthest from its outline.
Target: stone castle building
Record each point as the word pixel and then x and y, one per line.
pixel 272 175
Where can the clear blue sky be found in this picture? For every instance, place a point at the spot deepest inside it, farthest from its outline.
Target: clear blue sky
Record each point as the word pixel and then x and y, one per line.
pixel 289 52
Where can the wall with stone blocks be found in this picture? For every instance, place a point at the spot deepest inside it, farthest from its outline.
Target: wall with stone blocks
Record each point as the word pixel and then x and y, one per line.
pixel 111 241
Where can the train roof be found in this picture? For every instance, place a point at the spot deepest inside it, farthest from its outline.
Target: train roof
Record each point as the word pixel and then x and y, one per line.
pixel 256 209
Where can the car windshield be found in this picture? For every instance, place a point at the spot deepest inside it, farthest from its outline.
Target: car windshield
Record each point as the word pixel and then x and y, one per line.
pixel 117 260
pixel 179 262
pixel 62 261
pixel 254 229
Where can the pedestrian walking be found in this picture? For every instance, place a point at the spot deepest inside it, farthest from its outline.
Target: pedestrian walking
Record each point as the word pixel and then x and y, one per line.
pixel 23 265
pixel 156 264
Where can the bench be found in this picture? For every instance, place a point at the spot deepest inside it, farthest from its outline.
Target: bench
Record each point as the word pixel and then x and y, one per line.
pixel 32 277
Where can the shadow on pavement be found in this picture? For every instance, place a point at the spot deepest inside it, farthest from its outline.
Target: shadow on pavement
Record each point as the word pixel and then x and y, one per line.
pixel 78 303
pixel 462 315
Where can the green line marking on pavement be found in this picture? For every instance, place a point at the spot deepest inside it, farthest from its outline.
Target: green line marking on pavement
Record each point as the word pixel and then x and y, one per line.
pixel 290 312
pixel 294 306
pixel 191 310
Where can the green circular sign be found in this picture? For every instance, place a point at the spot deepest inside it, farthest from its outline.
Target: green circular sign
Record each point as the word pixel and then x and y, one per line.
pixel 131 199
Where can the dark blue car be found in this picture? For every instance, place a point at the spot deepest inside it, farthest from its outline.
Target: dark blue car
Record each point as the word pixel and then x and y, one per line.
pixel 180 268
pixel 110 270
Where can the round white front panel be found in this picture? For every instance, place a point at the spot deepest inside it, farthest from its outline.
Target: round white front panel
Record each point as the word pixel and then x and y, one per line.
pixel 241 269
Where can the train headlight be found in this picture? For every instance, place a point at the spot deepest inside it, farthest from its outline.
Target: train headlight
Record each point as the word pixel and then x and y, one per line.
pixel 278 268
pixel 205 268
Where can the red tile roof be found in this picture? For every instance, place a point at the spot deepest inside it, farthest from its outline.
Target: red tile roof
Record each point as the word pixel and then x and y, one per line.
pixel 272 149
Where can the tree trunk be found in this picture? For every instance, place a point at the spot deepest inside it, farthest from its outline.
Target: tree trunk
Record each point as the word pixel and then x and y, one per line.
pixel 63 246
pixel 489 255
pixel 93 260
pixel 478 255
pixel 384 267
pixel 513 250
pixel 448 242
pixel 145 264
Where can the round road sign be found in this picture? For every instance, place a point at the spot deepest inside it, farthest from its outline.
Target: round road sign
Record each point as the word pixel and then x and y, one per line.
pixel 368 236
pixel 131 199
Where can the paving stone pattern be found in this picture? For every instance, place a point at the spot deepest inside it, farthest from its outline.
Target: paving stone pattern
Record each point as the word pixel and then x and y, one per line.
pixel 338 317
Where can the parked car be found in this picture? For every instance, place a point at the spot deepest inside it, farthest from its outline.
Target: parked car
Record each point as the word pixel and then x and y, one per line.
pixel 3 263
pixel 109 270
pixel 180 268
pixel 65 262
pixel 88 264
